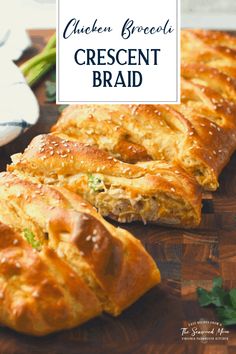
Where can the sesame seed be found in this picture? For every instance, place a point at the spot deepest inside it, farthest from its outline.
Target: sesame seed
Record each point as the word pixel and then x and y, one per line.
pixel 172 189
pixel 88 238
pixel 35 294
pixel 15 242
pixel 210 132
pixel 3 260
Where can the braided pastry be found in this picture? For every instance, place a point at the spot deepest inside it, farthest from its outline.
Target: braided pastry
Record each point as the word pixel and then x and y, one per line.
pixel 147 191
pixel 199 134
pixel 61 263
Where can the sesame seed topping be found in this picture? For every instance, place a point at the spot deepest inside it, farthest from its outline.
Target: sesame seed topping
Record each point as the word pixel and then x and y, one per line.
pixel 35 294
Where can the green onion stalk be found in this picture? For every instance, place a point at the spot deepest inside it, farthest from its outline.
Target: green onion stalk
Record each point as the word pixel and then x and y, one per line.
pixel 35 68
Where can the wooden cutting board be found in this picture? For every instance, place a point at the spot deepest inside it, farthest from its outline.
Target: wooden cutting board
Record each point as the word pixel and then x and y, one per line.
pixel 186 258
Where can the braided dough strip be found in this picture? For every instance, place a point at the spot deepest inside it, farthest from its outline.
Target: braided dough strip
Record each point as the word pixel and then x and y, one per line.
pixel 148 191
pixel 82 266
pixel 199 134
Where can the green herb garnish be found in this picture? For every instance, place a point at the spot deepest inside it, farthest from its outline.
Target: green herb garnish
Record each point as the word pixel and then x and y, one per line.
pixel 51 88
pixel 224 301
pixel 30 238
pixel 95 183
pixel 35 68
pixel 62 107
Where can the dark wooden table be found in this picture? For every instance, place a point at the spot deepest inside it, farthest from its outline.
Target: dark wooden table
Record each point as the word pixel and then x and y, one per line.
pixel 186 258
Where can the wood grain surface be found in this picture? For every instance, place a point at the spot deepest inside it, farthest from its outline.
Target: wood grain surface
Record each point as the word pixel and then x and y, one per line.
pixel 186 258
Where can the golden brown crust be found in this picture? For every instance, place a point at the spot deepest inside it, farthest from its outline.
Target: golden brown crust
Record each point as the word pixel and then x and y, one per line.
pixel 83 265
pixel 39 292
pixel 199 134
pixel 70 164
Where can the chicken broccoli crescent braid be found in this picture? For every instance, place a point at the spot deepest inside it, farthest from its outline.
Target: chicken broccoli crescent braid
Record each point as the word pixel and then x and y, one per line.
pixel 150 191
pixel 61 263
pixel 199 134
